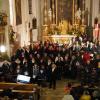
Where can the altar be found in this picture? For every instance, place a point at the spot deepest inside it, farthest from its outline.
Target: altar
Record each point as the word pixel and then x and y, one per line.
pixel 65 21
pixel 60 38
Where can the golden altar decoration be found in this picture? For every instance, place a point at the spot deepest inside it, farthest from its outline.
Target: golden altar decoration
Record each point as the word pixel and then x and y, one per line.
pixel 60 38
pixel 64 32
pixel 65 26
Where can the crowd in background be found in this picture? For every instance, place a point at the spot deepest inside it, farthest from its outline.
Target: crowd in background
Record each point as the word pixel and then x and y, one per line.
pixel 79 60
pixel 81 92
pixel 46 62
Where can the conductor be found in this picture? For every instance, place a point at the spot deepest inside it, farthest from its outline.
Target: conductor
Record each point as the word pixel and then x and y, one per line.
pixel 53 76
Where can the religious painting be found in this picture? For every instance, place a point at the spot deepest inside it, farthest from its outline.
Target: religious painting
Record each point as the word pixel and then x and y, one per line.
pixel 18 12
pixel 30 6
pixel 65 10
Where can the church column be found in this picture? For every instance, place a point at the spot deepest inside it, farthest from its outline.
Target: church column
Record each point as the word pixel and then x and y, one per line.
pixel 91 9
pixel 56 12
pixel 45 20
pixel 39 19
pixel 53 12
pixel 84 5
pixel 83 11
pixel 73 12
pixel 89 29
pixel 45 13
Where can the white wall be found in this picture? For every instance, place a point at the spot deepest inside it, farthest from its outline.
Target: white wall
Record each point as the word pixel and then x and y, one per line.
pixel 23 29
pixel 95 10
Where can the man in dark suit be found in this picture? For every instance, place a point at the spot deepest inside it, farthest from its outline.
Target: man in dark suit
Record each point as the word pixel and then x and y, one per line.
pixel 53 76
pixel 6 70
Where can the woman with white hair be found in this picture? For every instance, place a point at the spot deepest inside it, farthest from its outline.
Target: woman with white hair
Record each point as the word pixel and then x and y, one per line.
pixel 68 96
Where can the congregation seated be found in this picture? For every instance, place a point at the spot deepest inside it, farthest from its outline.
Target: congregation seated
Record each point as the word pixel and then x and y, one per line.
pixel 81 92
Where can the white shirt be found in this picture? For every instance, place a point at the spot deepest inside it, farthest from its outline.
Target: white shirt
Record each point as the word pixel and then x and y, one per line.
pixel 53 69
pixel 26 73
pixel 1 63
pixel 68 97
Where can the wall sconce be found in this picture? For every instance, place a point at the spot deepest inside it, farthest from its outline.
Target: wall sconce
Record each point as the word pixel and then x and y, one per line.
pixel 2 49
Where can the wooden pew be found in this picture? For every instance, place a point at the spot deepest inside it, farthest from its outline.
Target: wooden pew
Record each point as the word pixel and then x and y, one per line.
pixel 24 89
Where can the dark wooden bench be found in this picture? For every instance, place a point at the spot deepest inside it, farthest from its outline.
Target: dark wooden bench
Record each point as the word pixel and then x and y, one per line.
pixel 23 89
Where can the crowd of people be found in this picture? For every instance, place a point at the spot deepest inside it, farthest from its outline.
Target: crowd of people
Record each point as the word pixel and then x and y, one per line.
pixel 47 62
pixel 81 92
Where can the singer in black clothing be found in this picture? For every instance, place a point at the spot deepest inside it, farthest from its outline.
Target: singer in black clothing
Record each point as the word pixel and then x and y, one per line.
pixel 53 76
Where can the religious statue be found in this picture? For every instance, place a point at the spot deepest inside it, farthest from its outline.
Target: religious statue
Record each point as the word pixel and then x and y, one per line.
pixel 50 14
pixel 63 27
pixel 45 30
pixel 78 16
pixel 12 35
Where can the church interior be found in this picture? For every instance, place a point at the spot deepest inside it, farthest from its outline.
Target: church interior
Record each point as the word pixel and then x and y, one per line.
pixel 49 49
